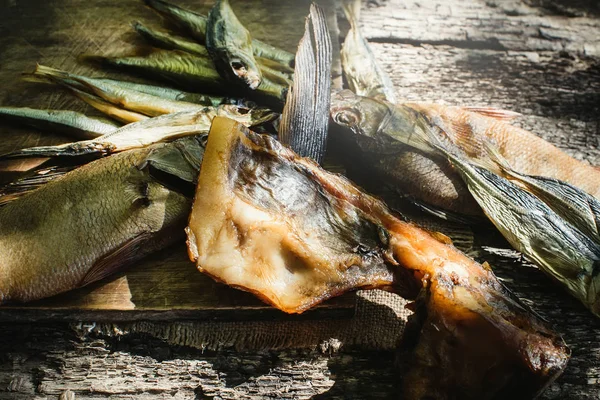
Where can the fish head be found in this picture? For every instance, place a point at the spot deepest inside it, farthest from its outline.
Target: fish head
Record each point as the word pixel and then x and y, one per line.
pixel 247 115
pixel 245 68
pixel 361 115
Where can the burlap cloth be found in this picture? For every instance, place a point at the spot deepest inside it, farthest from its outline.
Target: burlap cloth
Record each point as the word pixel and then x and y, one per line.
pixel 378 321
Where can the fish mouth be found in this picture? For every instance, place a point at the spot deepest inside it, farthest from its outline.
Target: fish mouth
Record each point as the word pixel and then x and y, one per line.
pixel 241 70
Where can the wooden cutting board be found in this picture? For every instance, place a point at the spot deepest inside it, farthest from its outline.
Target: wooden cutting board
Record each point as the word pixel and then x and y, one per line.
pixel 165 285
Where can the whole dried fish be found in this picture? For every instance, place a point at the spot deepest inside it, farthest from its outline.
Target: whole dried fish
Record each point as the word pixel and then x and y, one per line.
pixel 528 224
pixel 112 212
pixel 121 97
pixel 66 122
pixel 381 129
pixel 168 41
pixel 177 67
pixel 364 75
pixel 195 25
pixel 151 130
pixel 270 222
pixel 230 46
pixel 193 73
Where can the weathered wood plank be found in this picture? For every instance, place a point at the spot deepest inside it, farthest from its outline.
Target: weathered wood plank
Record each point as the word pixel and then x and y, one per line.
pixel 496 24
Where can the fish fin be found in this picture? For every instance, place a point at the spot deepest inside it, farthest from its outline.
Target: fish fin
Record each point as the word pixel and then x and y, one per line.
pixel 496 113
pixel 351 11
pixel 20 187
pixel 446 215
pixel 554 261
pixel 306 113
pixel 85 147
pixel 118 258
pixel 440 237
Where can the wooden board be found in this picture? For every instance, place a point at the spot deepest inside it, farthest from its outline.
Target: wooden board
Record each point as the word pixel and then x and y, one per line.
pixel 166 285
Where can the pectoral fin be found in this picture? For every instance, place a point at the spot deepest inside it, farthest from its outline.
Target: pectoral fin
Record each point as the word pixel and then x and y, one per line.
pixel 497 113
pixel 112 262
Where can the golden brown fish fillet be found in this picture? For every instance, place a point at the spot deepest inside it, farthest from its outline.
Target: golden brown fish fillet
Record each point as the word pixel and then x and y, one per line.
pixel 270 222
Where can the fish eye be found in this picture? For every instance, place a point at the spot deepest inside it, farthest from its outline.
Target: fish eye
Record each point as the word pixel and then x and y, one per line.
pixel 348 117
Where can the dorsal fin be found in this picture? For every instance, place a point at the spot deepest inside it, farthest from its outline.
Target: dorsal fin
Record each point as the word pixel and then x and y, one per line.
pixel 496 113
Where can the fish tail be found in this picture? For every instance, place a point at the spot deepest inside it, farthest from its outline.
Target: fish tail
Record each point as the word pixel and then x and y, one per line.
pixel 352 11
pixel 306 114
pixel 70 149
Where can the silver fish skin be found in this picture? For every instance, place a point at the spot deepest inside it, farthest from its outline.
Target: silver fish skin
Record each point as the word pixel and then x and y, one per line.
pixel 363 73
pixel 71 123
pixel 150 131
pixel 111 213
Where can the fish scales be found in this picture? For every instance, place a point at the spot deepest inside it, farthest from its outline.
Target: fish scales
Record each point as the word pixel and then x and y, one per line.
pixel 64 234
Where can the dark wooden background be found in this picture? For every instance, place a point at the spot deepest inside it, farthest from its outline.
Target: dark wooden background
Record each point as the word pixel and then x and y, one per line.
pixel 538 57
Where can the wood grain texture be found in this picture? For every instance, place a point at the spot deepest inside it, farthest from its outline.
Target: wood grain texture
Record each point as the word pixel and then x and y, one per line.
pixel 537 57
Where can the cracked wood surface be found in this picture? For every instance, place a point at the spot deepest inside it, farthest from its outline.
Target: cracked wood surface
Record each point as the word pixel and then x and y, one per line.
pixel 537 57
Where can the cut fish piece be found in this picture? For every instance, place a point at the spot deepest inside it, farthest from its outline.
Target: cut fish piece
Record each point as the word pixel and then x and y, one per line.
pixel 270 222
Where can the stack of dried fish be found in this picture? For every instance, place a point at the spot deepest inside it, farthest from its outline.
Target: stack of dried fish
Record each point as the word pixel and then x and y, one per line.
pixel 465 160
pixel 266 220
pixel 140 196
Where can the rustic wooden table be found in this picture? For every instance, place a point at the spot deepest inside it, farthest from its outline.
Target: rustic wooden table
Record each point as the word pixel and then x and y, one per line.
pixel 538 57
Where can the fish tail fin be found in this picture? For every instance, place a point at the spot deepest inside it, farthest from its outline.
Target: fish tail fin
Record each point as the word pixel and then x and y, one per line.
pixel 85 147
pixel 497 162
pixel 100 61
pixel 306 113
pixel 351 10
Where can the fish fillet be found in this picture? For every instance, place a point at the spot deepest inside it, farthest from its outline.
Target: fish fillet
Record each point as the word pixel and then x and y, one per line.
pixel 270 222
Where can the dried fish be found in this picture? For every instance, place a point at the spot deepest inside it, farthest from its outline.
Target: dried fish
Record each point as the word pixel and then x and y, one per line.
pixel 193 73
pixel 381 129
pixel 92 222
pixel 364 75
pixel 149 131
pixel 230 46
pixel 168 41
pixel 66 122
pixel 195 25
pixel 270 222
pixel 121 97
